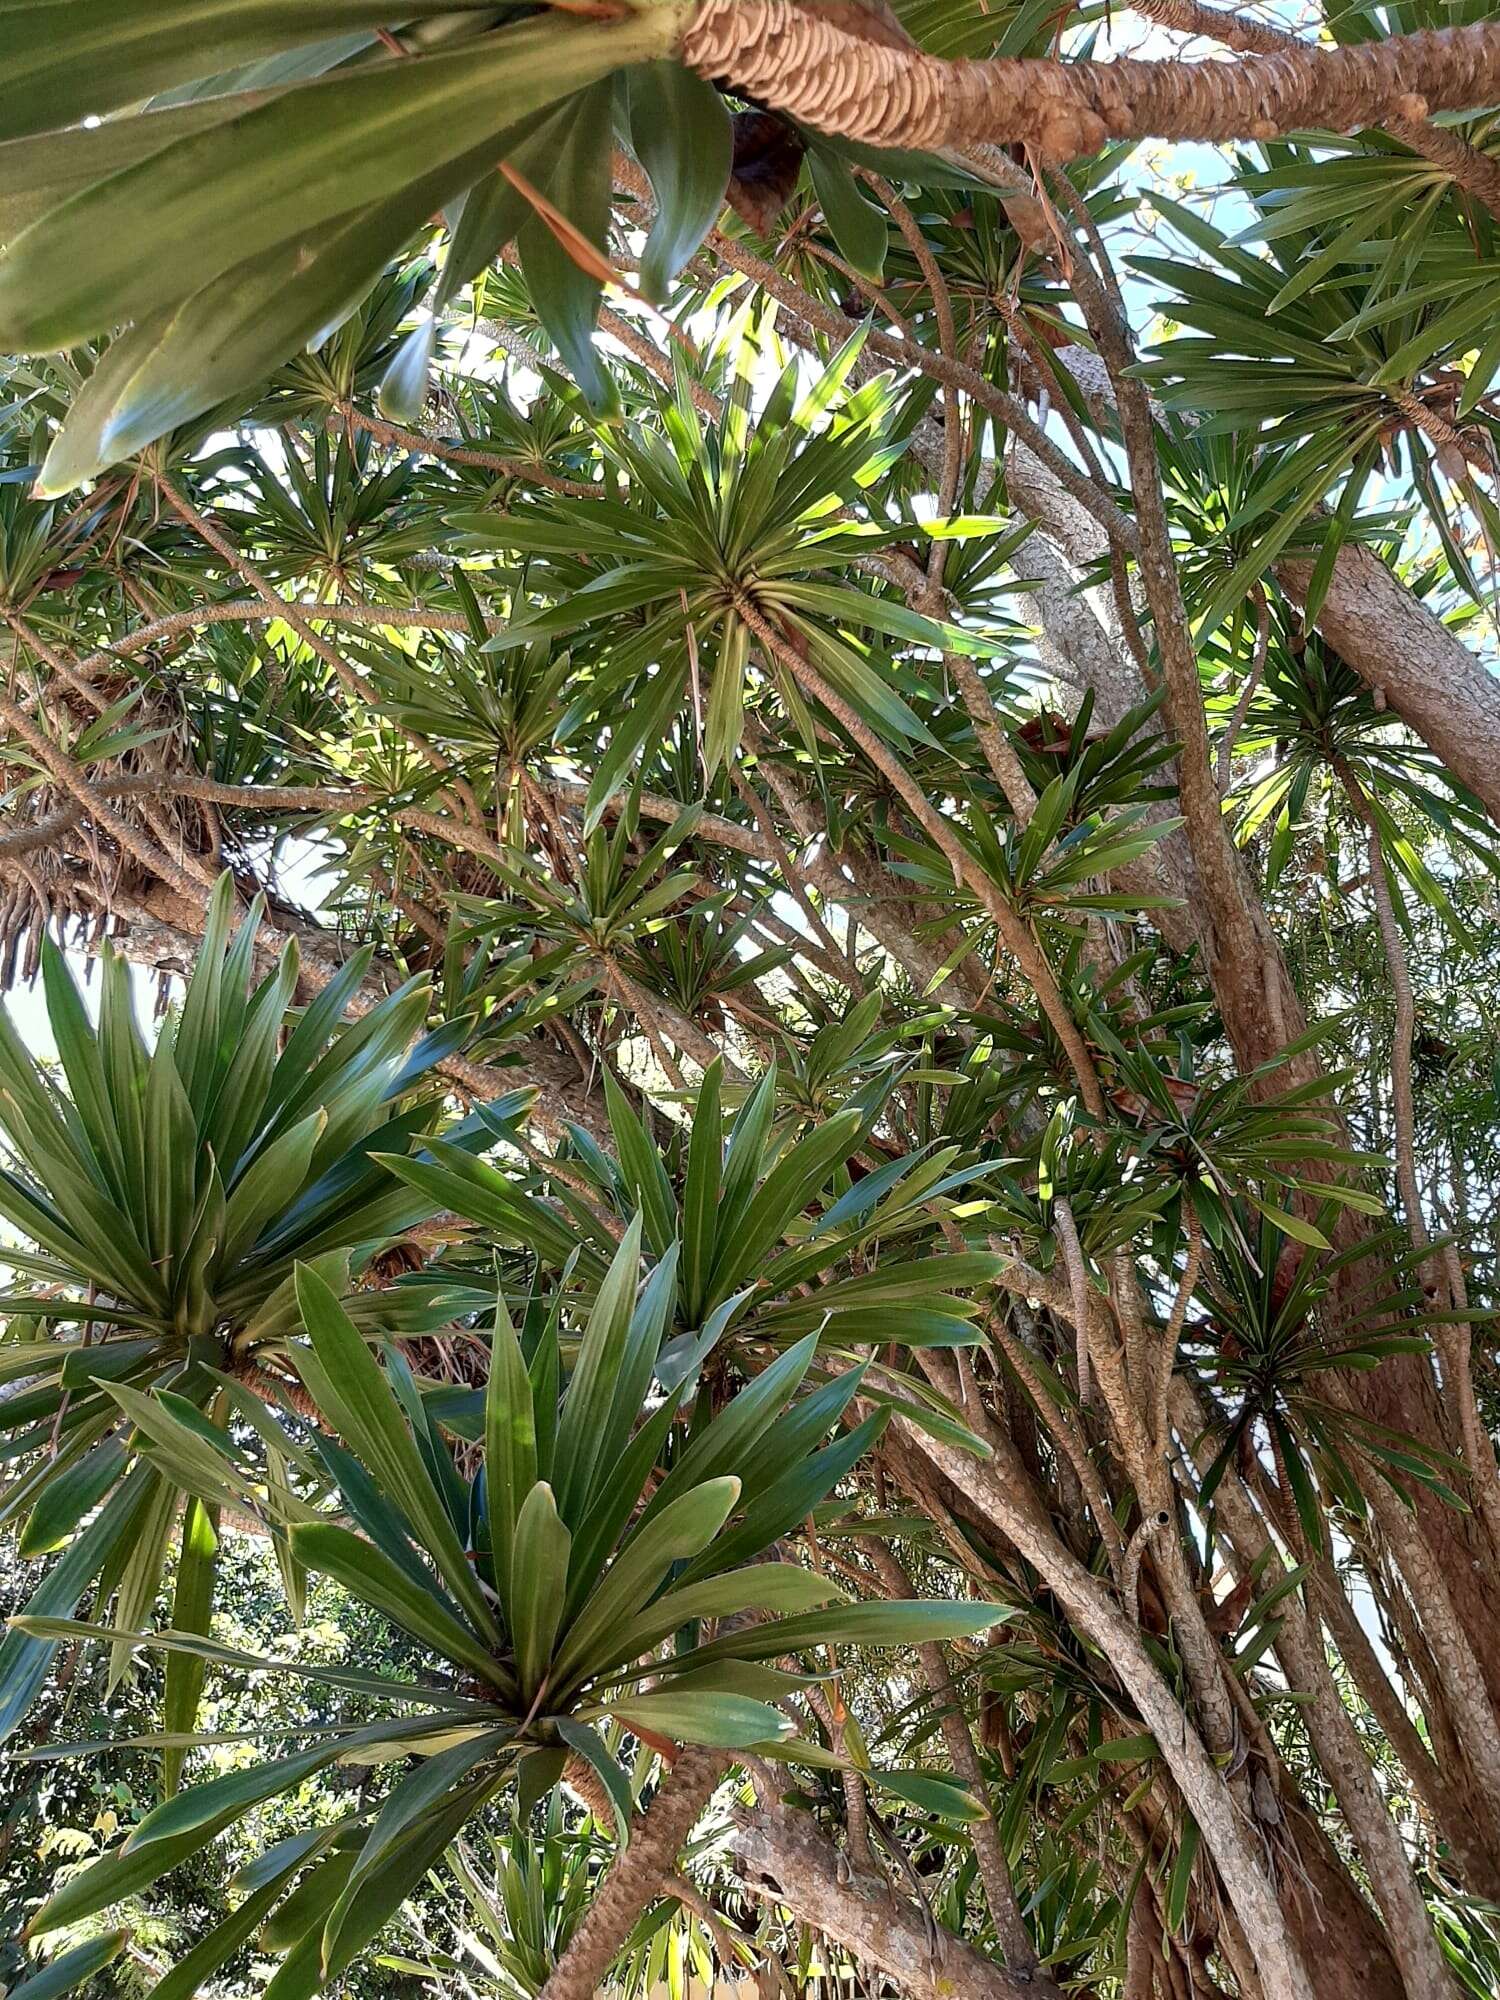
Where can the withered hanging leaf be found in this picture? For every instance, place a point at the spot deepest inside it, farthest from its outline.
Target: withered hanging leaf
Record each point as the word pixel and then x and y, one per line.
pixel 767 161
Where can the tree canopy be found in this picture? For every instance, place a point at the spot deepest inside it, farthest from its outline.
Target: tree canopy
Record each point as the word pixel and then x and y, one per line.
pixel 748 1144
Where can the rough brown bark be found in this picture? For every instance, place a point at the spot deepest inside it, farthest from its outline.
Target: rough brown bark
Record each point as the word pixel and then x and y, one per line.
pixel 1334 1738
pixel 1476 173
pixel 789 1865
pixel 1429 678
pixel 639 1871
pixel 804 61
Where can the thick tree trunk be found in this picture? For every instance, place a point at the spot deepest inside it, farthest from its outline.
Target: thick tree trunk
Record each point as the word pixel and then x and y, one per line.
pixel 1431 680
pixel 639 1871
pixel 998 1485
pixel 1440 689
pixel 1337 1933
pixel 1336 1744
pixel 1262 1013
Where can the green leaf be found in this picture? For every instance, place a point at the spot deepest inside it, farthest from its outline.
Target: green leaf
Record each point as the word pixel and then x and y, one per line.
pixel 494 208
pixel 675 1534
pixel 138 240
pixel 934 1792
pixel 680 132
pixel 723 1721
pixel 349 1388
pixel 261 1191
pixel 192 1607
pixel 510 1467
pixel 590 1746
pixel 778 1587
pixel 788 1499
pixel 538 1772
pixel 890 1623
pixel 731 1436
pixel 224 338
pixel 700 1192
pixel 1295 1226
pixel 72 1968
pixel 220 1800
pixel 403 387
pixel 186 1458
pixel 1180 1883
pixel 66 1499
pixel 224 1940
pixel 585 1422
pixel 539 1569
pixel 415 1797
pixel 25 1656
pixel 860 230
pixel 565 294
pixel 355 1680
pixel 361 1568
pixel 139 1862
pixel 357 1919
pixel 78 1049
pixel 59 69
pixel 641 1167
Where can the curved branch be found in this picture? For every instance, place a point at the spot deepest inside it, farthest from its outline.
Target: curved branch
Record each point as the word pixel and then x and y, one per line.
pixel 788 1864
pixel 47 831
pixel 62 769
pixel 999 1486
pixel 1014 932
pixel 258 611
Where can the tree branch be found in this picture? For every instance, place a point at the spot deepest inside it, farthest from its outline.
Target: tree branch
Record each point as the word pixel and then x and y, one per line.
pixel 1476 173
pixel 638 1874
pixel 801 60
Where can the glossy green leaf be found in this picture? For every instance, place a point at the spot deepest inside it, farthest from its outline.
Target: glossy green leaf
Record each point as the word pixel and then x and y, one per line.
pixel 538 1587
pixel 192 1606
pixel 680 132
pixel 129 245
pixel 361 1568
pixel 722 1721
pixel 565 293
pixel 71 1968
pixel 860 229
pixel 350 1389
pixel 676 1533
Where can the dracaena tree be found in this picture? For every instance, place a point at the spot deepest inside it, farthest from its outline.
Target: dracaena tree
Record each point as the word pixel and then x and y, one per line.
pixel 840 662
pixel 169 1193
pixel 546 1585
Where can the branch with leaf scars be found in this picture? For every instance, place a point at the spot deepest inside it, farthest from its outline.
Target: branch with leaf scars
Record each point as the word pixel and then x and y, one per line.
pixel 1476 173
pixel 805 61
pixel 639 1872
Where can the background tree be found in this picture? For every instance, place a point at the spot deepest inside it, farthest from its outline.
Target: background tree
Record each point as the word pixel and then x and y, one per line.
pixel 844 720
